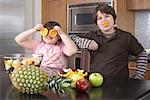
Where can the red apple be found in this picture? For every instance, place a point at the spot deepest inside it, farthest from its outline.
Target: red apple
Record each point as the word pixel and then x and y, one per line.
pixel 82 84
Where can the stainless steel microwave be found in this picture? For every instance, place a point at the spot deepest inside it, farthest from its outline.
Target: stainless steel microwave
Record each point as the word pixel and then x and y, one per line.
pixel 80 17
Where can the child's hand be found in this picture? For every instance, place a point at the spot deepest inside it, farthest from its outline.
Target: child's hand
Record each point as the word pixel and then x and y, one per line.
pixel 59 30
pixel 93 45
pixel 38 27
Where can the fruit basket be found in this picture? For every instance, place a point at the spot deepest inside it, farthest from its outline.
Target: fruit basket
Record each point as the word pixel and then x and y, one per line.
pixel 24 72
pixel 13 61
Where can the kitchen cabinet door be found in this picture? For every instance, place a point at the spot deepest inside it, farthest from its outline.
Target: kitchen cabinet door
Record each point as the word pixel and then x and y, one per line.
pixel 125 18
pixel 55 10
pixel 138 4
pixel 83 1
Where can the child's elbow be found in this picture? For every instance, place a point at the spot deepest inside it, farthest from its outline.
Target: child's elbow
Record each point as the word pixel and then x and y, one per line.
pixel 75 51
pixel 17 40
pixel 72 52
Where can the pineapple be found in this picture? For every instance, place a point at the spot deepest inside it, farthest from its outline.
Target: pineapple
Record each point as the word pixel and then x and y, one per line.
pixel 29 79
pixel 32 80
pixel 58 84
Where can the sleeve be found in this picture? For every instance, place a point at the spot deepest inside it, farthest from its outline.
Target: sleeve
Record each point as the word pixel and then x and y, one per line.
pixel 135 47
pixel 84 43
pixel 141 66
pixel 37 44
pixel 61 49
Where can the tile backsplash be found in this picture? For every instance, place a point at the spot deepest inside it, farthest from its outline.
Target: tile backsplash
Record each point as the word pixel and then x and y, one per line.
pixel 142 27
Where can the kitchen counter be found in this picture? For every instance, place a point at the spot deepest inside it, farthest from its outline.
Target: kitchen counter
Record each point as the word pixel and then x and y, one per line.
pixel 111 89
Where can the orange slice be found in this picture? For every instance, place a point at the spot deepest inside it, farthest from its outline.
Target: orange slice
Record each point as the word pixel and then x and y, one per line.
pixel 105 23
pixel 44 32
pixel 53 32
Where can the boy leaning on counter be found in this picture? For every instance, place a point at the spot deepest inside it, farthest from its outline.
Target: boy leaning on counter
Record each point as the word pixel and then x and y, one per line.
pixel 114 46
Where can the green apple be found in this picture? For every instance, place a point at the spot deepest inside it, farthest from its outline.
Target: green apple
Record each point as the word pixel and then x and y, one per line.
pixel 96 79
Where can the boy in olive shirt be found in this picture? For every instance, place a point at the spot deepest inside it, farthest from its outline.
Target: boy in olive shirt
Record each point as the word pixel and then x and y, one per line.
pixel 114 46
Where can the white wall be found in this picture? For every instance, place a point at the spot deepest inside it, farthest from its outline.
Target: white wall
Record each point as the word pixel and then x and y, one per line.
pixel 32 15
pixel 37 15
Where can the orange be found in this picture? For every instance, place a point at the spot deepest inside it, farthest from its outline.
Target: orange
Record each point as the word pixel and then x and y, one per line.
pixel 105 23
pixel 53 33
pixel 44 32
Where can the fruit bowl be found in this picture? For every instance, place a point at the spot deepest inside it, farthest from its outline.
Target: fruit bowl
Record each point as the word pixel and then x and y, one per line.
pixel 24 72
pixel 13 61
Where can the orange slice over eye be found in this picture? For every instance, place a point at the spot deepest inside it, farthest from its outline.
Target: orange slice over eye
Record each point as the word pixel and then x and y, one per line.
pixel 53 32
pixel 105 24
pixel 44 32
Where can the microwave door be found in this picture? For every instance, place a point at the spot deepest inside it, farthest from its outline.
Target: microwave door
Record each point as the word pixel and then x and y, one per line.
pixel 82 19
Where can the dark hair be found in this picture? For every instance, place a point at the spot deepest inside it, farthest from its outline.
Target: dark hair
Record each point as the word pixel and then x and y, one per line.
pixel 104 8
pixel 49 25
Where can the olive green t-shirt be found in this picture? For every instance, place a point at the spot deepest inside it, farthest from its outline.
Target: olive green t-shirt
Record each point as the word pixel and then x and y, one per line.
pixel 111 58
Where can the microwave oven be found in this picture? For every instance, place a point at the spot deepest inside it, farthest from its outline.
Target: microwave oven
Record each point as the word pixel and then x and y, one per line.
pixel 80 17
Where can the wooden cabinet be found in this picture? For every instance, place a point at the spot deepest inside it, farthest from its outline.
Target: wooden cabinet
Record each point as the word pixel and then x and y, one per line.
pixel 55 10
pixel 138 4
pixel 83 1
pixel 132 69
pixel 125 18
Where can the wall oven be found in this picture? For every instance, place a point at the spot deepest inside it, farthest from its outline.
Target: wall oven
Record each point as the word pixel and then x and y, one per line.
pixel 80 17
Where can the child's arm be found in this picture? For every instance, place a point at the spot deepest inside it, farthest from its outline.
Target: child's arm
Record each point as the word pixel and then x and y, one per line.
pixel 70 47
pixel 141 66
pixel 24 39
pixel 84 43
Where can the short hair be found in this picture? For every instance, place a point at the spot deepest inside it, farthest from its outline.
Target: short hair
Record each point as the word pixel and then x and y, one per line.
pixel 104 8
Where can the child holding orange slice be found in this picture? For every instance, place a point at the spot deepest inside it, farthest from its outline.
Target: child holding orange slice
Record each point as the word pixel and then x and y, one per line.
pixel 55 46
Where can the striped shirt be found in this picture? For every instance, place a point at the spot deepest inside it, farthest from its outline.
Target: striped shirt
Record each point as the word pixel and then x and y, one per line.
pixel 141 66
pixel 83 42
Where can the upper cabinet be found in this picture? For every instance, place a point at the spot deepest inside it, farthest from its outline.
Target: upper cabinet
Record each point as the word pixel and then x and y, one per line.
pixel 138 4
pixel 83 1
pixel 125 18
pixel 57 10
